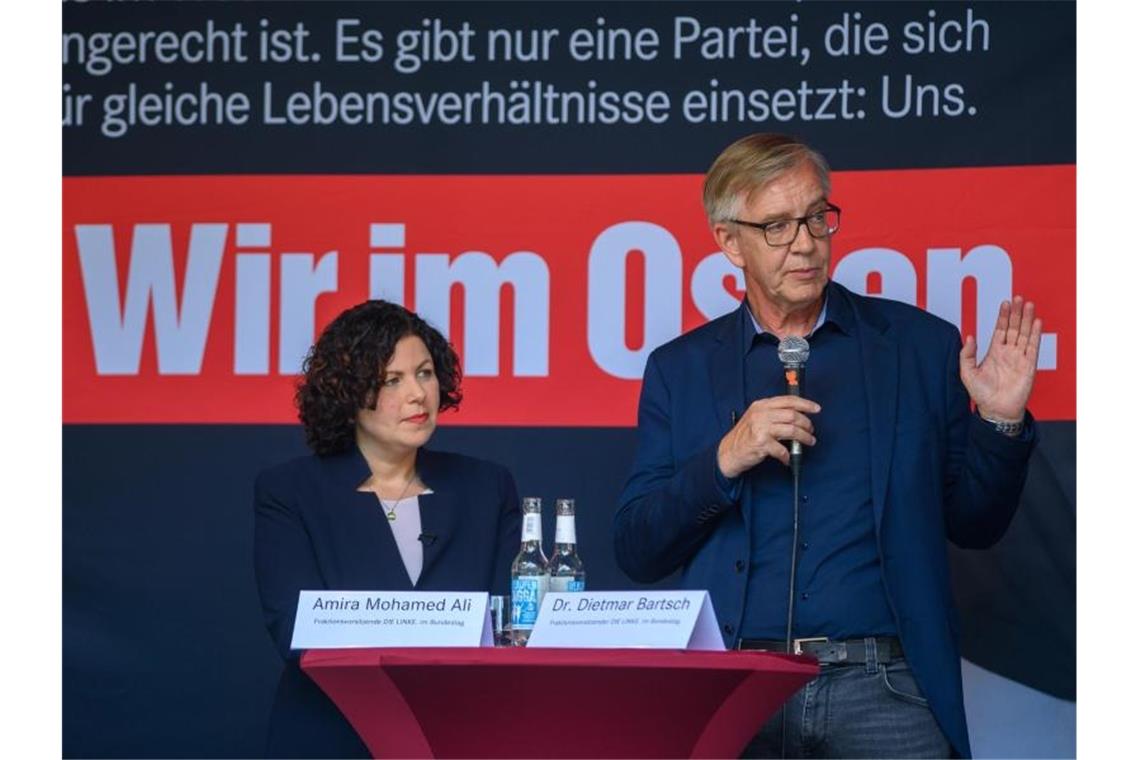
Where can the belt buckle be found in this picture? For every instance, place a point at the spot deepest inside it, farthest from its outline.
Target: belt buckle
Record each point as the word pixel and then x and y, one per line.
pixel 797 644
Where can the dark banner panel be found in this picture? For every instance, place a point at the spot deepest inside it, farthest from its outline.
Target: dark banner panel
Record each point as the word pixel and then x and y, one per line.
pixel 165 653
pixel 566 87
pixel 1017 602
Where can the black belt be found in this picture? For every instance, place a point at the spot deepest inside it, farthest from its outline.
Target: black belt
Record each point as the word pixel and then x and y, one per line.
pixel 828 652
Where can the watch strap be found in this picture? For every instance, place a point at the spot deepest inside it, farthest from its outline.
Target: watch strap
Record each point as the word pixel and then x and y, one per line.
pixel 1005 427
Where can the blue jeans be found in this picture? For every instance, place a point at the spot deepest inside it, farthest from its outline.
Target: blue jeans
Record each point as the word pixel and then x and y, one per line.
pixel 872 710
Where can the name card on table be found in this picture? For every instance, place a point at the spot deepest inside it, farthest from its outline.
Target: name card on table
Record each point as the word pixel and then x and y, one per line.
pixel 353 619
pixel 627 619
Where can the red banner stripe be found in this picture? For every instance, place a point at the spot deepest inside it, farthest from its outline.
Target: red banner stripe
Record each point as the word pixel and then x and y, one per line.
pixel 191 299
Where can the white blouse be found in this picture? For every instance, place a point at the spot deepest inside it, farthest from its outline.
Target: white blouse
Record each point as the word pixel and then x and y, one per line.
pixel 406 530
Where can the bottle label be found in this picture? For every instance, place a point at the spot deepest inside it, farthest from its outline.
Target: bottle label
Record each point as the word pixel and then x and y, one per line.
pixel 564 530
pixel 532 527
pixel 567 583
pixel 527 592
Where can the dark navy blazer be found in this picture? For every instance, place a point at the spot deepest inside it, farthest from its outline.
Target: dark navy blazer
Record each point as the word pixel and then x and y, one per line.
pixel 937 472
pixel 314 530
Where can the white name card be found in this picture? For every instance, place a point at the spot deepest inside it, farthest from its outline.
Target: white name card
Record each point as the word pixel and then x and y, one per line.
pixel 627 619
pixel 352 619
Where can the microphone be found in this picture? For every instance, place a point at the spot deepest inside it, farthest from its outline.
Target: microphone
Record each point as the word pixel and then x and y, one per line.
pixel 793 351
pixel 427 538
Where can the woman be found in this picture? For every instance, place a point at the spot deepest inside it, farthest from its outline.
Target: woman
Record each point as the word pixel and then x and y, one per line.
pixel 372 509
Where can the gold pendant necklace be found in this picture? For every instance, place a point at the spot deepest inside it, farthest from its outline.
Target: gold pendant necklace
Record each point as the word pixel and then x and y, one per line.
pixel 390 510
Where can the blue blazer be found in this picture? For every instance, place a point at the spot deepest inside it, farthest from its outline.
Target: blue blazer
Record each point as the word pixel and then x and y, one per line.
pixel 314 530
pixel 938 472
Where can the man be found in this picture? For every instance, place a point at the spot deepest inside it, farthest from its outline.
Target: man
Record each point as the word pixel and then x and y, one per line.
pixel 894 463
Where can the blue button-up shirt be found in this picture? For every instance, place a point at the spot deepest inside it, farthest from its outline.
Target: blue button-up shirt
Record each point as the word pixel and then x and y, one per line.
pixel 839 584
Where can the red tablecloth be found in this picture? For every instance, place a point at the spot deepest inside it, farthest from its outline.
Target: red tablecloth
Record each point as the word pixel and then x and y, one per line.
pixel 515 702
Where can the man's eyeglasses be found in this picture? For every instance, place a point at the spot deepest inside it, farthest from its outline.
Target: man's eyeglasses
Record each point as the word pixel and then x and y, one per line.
pixel 820 224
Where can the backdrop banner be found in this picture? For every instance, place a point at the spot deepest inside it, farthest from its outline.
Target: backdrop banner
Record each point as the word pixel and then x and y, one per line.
pixel 527 177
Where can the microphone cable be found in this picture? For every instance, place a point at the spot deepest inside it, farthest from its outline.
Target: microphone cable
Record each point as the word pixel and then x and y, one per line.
pixel 795 552
pixel 791 593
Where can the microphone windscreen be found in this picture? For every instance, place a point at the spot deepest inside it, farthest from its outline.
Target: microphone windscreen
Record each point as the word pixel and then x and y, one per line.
pixel 793 350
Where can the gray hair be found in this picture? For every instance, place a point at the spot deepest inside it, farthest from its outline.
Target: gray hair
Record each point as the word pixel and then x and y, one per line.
pixel 748 165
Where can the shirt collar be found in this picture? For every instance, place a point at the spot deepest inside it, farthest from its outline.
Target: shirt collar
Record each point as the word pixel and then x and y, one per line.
pixel 835 310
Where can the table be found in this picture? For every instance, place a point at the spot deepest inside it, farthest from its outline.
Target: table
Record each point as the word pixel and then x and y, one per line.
pixel 518 702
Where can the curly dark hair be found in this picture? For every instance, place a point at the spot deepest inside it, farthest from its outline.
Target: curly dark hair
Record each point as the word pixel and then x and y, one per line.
pixel 343 369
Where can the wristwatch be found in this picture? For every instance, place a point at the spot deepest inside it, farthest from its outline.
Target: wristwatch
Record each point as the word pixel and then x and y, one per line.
pixel 1005 427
